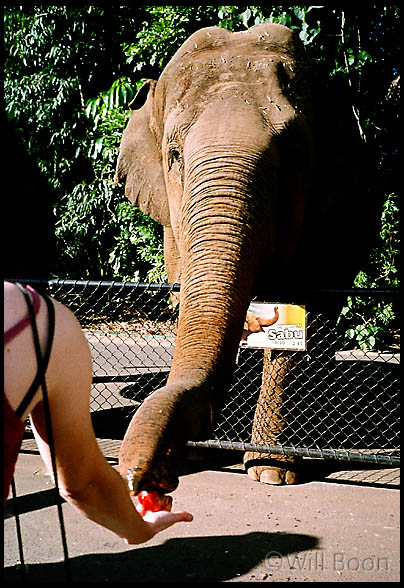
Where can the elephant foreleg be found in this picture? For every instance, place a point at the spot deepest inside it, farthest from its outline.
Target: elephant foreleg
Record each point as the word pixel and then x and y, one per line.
pixel 269 422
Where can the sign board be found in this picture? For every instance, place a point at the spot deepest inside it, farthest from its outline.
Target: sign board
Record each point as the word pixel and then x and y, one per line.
pixel 275 326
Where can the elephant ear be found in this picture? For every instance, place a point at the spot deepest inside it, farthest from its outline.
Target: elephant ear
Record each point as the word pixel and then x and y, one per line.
pixel 140 163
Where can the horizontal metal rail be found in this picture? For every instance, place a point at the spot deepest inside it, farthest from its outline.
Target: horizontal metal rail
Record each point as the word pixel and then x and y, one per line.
pixel 177 287
pixel 337 454
pixel 99 284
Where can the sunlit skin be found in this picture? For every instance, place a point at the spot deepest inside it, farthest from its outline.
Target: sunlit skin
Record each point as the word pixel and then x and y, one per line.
pixel 86 480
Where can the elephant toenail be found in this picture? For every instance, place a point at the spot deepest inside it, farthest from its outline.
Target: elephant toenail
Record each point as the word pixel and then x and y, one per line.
pixel 271 477
pixel 292 478
pixel 252 473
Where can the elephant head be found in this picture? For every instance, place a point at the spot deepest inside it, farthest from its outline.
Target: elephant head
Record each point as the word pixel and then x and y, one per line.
pixel 221 151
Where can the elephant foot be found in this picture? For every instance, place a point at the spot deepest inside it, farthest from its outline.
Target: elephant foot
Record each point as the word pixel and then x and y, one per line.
pixel 273 469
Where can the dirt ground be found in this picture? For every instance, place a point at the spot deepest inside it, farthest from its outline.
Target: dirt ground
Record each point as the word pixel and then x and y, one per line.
pixel 341 525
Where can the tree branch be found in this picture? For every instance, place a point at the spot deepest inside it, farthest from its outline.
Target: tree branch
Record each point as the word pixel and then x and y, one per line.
pixel 393 93
pixel 354 109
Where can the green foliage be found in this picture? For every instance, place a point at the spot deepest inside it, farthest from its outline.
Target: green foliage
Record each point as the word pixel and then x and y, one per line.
pixel 124 243
pixel 371 323
pixel 58 63
pixel 70 72
pixel 119 94
pixel 164 31
pixel 294 17
pixel 138 246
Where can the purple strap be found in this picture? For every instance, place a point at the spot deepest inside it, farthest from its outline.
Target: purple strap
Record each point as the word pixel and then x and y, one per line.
pixel 25 321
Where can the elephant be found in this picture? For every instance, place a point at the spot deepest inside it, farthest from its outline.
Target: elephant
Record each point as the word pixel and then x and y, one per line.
pixel 254 323
pixel 254 167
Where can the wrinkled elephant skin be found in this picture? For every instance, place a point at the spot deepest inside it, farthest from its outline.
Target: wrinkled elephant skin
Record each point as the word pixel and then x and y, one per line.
pixel 250 171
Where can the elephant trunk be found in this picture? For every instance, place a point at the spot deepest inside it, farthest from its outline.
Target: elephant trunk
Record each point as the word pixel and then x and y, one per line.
pixel 225 229
pixel 222 224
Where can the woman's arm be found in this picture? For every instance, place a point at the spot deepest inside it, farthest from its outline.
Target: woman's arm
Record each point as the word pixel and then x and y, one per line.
pixel 86 480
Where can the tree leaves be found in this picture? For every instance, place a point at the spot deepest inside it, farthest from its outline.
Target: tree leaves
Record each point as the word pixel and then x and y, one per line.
pixel 373 323
pixel 119 94
pixel 70 72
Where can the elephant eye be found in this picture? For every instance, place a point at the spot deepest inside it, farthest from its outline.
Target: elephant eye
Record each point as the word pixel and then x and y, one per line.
pixel 173 155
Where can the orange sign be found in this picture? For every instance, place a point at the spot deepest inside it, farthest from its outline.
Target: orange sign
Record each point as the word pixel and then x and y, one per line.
pixel 275 326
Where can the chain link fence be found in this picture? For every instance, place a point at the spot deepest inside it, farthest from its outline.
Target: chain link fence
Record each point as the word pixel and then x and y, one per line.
pixel 334 403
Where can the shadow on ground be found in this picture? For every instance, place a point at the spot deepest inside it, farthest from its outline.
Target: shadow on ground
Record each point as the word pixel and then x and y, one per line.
pixel 194 559
pixel 313 470
pixel 111 423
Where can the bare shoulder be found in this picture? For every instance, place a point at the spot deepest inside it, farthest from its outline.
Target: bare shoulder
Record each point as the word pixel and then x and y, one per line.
pixel 71 358
pixel 14 305
pixel 66 321
pixel 9 288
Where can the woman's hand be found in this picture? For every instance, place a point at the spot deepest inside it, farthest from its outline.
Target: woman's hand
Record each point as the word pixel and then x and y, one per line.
pixel 159 521
pixel 164 519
